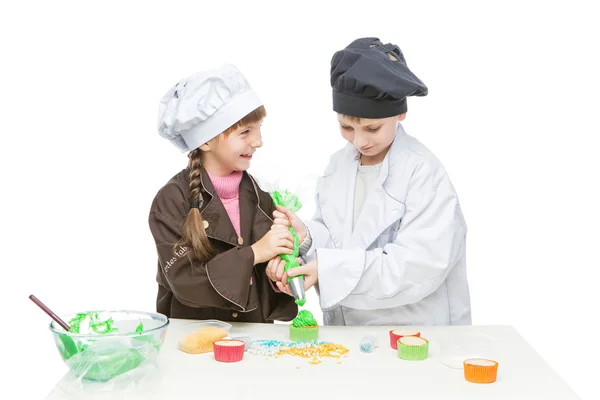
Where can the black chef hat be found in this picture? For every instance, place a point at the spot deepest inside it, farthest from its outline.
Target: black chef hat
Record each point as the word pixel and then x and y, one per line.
pixel 371 80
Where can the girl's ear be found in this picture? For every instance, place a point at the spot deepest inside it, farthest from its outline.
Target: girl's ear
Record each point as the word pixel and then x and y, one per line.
pixel 401 117
pixel 205 147
pixel 210 145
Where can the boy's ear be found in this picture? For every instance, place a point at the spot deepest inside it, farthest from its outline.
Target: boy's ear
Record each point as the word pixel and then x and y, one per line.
pixel 401 117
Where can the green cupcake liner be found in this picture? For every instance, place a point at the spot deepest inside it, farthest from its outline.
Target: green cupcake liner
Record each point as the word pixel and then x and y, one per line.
pixel 413 353
pixel 304 334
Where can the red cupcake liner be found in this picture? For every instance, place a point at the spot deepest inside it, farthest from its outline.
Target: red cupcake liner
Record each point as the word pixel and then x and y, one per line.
pixel 229 350
pixel 394 337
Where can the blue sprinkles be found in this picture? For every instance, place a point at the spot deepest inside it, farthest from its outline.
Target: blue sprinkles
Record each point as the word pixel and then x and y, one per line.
pixel 272 347
pixel 366 347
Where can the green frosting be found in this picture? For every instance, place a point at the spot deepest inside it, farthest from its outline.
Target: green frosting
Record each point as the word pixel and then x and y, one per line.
pixel 97 358
pixel 96 324
pixel 291 202
pixel 101 366
pixel 304 318
pixel 287 200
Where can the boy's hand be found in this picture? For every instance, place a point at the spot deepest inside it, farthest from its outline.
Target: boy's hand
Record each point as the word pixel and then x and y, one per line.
pixel 275 242
pixel 285 218
pixel 309 270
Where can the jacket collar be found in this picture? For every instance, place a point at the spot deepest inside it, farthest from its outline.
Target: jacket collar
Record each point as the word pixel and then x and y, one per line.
pixel 380 209
pixel 215 215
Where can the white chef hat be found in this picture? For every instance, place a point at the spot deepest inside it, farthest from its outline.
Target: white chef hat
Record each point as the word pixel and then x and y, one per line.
pixel 200 107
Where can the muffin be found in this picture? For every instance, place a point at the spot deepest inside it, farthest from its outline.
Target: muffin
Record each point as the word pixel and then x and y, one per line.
pixel 304 327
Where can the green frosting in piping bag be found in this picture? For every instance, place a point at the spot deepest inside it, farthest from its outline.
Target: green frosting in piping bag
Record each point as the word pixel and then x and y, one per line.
pixel 291 202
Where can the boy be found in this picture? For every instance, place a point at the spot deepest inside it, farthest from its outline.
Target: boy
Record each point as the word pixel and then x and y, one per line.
pixel 387 243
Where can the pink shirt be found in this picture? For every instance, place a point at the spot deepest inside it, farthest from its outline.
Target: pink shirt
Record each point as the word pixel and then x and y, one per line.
pixel 228 190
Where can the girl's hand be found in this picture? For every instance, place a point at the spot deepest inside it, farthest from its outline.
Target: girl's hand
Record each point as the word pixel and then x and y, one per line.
pixel 275 242
pixel 275 268
pixel 285 218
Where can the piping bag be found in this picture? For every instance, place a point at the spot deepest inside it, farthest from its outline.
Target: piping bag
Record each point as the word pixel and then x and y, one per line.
pixel 296 283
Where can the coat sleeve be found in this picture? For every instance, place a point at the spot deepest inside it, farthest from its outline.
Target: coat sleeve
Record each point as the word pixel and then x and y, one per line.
pixel 429 242
pixel 222 282
pixel 277 305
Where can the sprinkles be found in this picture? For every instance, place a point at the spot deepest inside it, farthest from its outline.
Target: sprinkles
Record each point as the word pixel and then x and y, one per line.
pixel 266 347
pixel 313 351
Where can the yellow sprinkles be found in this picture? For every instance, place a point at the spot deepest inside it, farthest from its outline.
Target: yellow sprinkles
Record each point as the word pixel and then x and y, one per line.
pixel 313 351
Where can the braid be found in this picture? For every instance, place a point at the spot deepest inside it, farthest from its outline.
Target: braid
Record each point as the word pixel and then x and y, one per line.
pixel 194 233
pixel 195 166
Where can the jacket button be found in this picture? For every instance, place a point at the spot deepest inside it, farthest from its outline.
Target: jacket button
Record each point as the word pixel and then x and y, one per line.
pixel 241 240
pixel 205 223
pixel 234 315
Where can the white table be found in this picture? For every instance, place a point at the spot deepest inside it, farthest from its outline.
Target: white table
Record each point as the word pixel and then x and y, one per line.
pixel 522 373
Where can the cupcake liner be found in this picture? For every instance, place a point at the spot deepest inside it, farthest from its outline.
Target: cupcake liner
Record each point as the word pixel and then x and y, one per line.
pixel 304 333
pixel 407 350
pixel 401 333
pixel 480 370
pixel 229 350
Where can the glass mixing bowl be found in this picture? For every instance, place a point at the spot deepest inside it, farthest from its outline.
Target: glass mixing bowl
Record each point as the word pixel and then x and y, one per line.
pixel 102 356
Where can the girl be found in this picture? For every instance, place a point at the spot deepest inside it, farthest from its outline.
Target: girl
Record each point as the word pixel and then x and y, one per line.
pixel 211 222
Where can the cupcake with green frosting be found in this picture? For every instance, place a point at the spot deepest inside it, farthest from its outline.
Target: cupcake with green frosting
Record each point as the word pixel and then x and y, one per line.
pixel 304 327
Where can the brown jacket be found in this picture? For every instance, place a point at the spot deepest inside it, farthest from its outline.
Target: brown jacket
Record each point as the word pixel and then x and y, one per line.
pixel 229 287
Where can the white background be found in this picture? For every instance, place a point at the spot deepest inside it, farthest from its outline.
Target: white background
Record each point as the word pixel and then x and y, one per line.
pixel 511 113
